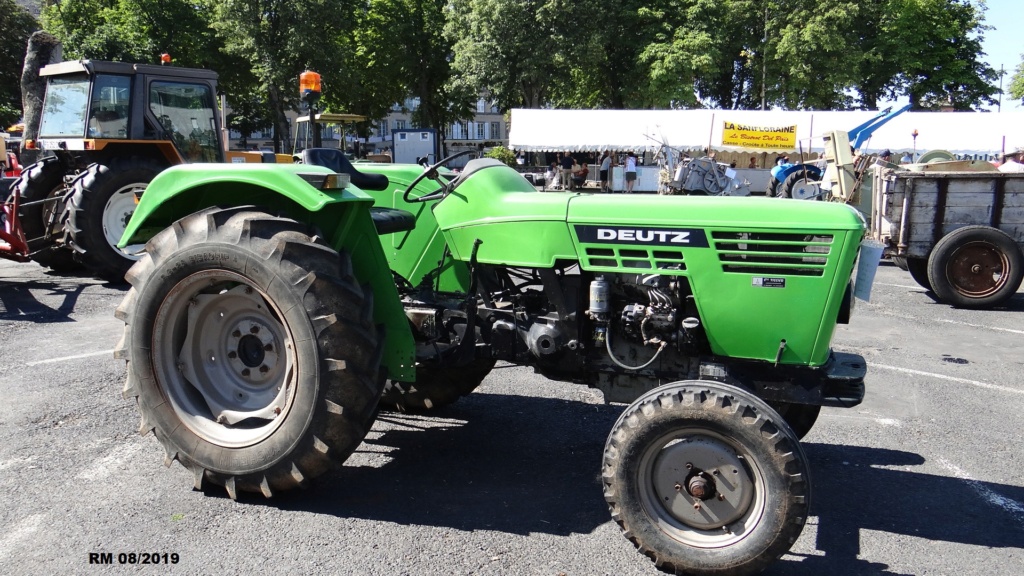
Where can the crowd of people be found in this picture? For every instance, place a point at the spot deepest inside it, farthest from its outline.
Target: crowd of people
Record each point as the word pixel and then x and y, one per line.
pixel 566 173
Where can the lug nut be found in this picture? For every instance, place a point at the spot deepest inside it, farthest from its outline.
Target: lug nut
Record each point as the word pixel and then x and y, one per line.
pixel 678 488
pixel 264 369
pixel 237 333
pixel 232 355
pixel 254 330
pixel 269 348
pixel 245 371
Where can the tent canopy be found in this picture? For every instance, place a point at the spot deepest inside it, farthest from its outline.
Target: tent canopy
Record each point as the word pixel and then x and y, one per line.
pixel 535 130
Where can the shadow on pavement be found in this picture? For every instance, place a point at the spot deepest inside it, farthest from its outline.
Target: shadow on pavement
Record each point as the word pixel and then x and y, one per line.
pixel 521 464
pixel 17 301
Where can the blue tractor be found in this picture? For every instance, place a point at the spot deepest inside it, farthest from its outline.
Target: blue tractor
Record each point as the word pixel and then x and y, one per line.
pixel 803 181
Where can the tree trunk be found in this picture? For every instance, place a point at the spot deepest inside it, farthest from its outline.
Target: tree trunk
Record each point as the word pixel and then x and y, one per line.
pixel 280 120
pixel 43 49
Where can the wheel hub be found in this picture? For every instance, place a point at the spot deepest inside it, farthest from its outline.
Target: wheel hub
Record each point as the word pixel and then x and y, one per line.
pixel 702 483
pixel 977 269
pixel 116 215
pixel 805 189
pixel 234 354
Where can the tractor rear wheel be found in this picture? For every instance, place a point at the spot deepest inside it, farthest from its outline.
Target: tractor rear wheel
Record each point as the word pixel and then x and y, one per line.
pixel 98 211
pixel 976 267
pixel 44 180
pixel 251 349
pixel 435 387
pixel 802 186
pixel 705 478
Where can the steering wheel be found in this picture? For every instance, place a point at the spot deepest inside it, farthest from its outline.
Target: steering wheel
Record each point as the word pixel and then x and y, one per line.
pixel 431 172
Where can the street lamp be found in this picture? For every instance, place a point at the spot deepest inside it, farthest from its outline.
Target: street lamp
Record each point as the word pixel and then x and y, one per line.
pixel 914 134
pixel 309 91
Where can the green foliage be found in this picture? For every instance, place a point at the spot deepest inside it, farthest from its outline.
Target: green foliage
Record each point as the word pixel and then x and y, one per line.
pixel 1016 88
pixel 17 25
pixel 503 154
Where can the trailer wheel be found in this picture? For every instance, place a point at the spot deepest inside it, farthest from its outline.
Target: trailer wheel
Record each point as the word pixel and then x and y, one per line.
pixel 435 387
pixel 800 417
pixel 975 267
pixel 44 180
pixel 251 350
pixel 800 186
pixel 918 268
pixel 705 478
pixel 98 211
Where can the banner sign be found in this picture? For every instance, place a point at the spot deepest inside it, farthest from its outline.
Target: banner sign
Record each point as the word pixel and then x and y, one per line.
pixel 747 136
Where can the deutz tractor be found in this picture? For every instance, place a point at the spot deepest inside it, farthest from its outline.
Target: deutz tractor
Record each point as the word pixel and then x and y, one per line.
pixel 106 129
pixel 278 307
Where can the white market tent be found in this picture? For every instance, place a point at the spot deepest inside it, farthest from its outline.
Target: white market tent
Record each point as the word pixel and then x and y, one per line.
pixel 968 133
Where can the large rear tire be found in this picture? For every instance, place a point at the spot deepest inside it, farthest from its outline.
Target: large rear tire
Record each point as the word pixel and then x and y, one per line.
pixel 435 387
pixel 802 185
pixel 251 350
pixel 44 180
pixel 975 267
pixel 705 478
pixel 98 211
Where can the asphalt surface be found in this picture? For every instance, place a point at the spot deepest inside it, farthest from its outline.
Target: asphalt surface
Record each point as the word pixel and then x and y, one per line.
pixel 925 477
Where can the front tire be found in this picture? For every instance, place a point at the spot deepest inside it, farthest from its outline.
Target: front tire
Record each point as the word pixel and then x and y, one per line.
pixel 705 478
pixel 251 350
pixel 975 267
pixel 102 202
pixel 918 268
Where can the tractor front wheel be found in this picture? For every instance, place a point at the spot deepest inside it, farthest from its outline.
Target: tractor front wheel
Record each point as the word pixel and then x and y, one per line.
pixel 705 478
pixel 251 348
pixel 98 212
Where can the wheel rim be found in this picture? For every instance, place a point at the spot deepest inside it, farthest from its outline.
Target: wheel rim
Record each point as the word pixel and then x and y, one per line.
pixel 701 488
pixel 977 269
pixel 804 189
pixel 224 359
pixel 116 214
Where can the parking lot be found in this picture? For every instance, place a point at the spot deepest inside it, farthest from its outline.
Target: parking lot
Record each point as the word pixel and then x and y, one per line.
pixel 925 477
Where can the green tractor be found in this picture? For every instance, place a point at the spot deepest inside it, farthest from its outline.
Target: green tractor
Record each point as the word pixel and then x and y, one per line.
pixel 277 308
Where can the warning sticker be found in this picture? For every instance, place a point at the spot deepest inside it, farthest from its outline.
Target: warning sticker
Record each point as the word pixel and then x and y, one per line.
pixel 769 282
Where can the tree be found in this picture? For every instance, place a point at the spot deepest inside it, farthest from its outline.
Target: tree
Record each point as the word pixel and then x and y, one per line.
pixel 277 40
pixel 17 25
pixel 135 30
pixel 1016 88
pixel 509 48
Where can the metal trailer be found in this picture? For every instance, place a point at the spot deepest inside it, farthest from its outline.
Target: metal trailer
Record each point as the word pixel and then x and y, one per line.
pixel 959 233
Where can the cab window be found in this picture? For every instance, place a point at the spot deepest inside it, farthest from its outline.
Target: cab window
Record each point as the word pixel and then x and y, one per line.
pixel 108 111
pixel 186 116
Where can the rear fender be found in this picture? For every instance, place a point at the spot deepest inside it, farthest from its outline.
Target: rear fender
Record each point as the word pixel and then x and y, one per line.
pixel 342 215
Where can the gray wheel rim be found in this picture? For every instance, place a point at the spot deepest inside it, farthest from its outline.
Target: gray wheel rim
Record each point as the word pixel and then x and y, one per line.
pixel 116 214
pixel 736 504
pixel 805 189
pixel 224 358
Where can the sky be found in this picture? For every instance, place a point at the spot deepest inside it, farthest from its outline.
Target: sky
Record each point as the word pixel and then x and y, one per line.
pixel 1004 43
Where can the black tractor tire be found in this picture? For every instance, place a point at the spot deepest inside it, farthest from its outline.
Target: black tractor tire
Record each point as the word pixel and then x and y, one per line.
pixel 97 212
pixel 773 187
pixel 918 268
pixel 755 475
pixel 40 181
pixel 221 292
pixel 798 185
pixel 975 267
pixel 899 262
pixel 435 387
pixel 800 417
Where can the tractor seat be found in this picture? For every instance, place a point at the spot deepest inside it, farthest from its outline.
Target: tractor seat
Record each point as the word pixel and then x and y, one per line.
pixel 391 220
pixel 336 160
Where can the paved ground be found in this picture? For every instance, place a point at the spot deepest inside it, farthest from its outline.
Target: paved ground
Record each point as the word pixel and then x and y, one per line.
pixel 926 477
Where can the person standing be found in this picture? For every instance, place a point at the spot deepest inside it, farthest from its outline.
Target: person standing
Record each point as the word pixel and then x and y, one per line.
pixel 753 163
pixel 606 163
pixel 567 162
pixel 630 172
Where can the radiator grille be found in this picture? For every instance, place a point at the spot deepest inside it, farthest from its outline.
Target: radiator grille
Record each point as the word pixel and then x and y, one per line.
pixel 635 258
pixel 775 253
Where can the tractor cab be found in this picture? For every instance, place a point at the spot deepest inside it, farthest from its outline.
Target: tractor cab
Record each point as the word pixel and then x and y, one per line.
pixel 96 109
